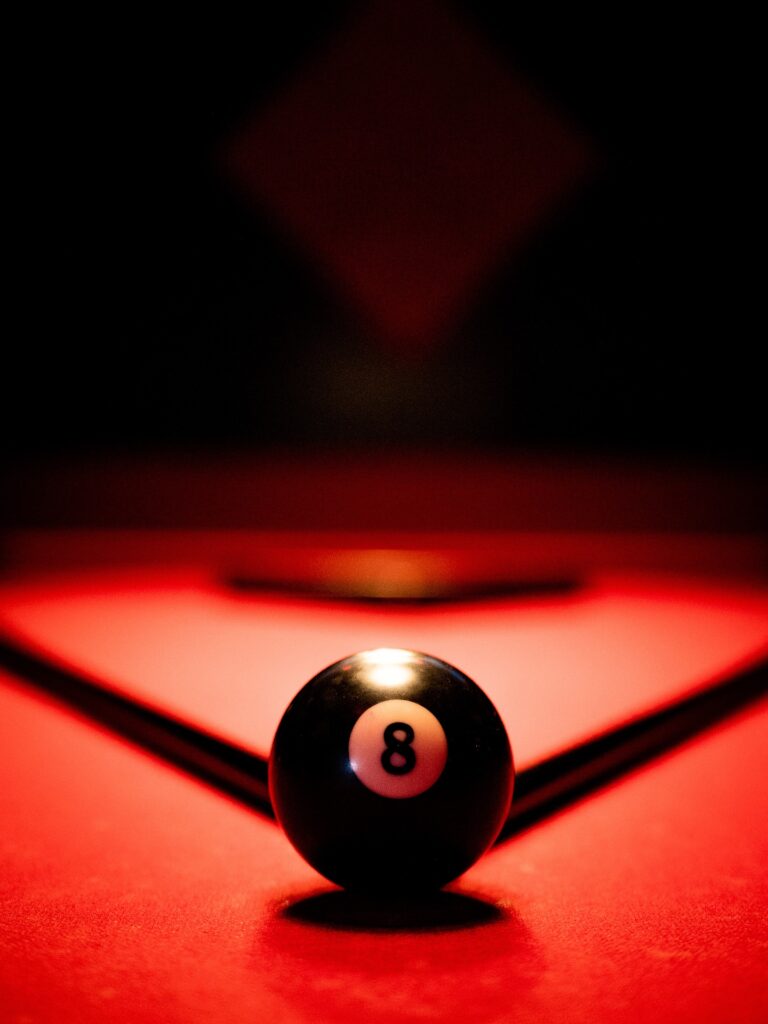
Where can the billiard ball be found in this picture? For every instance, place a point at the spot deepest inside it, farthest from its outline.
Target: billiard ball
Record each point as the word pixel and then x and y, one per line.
pixel 391 771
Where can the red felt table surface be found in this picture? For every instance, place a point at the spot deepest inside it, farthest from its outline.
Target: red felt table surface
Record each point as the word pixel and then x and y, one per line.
pixel 559 668
pixel 129 892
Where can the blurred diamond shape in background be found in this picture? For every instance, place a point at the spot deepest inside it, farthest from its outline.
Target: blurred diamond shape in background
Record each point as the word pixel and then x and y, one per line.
pixel 406 160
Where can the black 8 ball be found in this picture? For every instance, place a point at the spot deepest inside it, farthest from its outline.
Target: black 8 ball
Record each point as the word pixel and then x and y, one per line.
pixel 391 771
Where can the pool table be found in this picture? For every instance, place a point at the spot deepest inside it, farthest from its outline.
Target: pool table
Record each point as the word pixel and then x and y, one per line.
pixel 141 884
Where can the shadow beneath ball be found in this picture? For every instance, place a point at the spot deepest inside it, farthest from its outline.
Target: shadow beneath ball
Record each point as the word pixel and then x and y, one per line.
pixel 355 911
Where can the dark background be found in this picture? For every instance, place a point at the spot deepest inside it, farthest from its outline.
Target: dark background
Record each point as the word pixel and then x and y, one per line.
pixel 158 304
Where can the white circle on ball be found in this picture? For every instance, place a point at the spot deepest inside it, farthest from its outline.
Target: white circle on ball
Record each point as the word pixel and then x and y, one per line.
pixel 398 749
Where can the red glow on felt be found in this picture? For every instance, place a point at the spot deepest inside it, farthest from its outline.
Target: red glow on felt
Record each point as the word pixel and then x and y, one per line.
pixel 558 669
pixel 129 892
